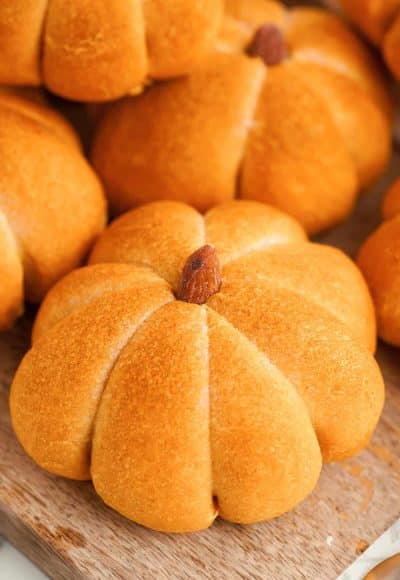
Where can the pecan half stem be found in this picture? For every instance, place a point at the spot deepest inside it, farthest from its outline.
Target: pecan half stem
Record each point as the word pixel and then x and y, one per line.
pixel 201 276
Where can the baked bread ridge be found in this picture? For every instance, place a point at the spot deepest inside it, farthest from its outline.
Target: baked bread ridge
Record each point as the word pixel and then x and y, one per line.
pixel 289 135
pixel 179 412
pixel 92 50
pixel 52 205
pixel 379 259
pixel 380 22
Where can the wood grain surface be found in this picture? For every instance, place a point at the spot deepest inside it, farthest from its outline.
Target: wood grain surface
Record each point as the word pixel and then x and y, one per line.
pixel 64 527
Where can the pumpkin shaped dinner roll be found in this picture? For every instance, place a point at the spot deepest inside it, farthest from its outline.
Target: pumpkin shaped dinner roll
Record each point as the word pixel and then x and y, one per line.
pixel 379 260
pixel 97 50
pixel 292 110
pixel 201 366
pixel 52 205
pixel 380 22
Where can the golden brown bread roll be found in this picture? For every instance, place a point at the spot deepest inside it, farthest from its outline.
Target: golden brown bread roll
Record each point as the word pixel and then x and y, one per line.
pixel 201 366
pixel 380 22
pixel 52 205
pixel 379 259
pixel 304 134
pixel 98 50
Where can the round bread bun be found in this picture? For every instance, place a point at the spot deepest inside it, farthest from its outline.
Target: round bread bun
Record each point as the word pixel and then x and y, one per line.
pixel 201 366
pixel 98 50
pixel 379 260
pixel 305 134
pixel 52 205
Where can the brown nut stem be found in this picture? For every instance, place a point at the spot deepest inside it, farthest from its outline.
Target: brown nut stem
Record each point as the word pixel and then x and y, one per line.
pixel 201 276
pixel 269 44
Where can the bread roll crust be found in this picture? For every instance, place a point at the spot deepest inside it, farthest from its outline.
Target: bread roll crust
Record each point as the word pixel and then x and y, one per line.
pixel 97 50
pixel 21 24
pixel 305 135
pixel 188 138
pixel 374 17
pixel 379 259
pixel 12 276
pixel 179 412
pixel 380 22
pixel 94 48
pixel 51 203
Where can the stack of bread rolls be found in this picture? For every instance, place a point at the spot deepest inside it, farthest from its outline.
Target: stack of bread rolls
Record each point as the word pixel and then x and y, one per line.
pixel 292 110
pixel 209 358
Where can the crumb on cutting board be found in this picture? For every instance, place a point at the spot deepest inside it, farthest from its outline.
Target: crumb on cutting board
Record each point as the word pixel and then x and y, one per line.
pixel 361 546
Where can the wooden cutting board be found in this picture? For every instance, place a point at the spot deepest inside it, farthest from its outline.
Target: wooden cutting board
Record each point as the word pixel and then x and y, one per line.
pixel 65 529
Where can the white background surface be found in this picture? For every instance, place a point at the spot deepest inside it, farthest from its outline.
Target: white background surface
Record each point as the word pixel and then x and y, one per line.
pixel 14 566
